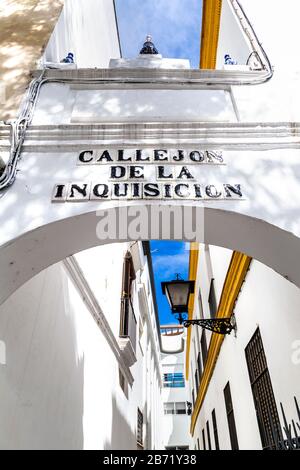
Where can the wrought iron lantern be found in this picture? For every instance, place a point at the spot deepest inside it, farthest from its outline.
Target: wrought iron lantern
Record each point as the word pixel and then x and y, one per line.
pixel 178 294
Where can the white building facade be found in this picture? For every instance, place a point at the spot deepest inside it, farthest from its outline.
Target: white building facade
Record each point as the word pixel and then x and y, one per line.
pixel 175 395
pixel 80 341
pixel 72 379
pixel 102 139
pixel 246 385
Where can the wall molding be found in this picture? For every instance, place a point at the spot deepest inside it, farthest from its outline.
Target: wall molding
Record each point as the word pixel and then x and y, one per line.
pixel 88 297
pixel 235 277
pixel 235 136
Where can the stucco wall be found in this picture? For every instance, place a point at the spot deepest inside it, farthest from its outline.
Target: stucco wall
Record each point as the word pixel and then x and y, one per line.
pixel 60 385
pixel 25 29
pixel 87 28
pixel 271 303
pixel 26 40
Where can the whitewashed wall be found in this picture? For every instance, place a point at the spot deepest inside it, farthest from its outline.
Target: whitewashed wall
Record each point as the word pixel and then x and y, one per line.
pixel 64 104
pixel 175 427
pixel 277 29
pixel 271 303
pixel 60 385
pixel 232 39
pixel 88 28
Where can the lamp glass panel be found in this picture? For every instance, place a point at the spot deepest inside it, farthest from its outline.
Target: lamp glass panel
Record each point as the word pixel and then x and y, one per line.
pixel 178 294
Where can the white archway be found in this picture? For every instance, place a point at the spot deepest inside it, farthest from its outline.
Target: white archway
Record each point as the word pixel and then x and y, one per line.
pixel 35 250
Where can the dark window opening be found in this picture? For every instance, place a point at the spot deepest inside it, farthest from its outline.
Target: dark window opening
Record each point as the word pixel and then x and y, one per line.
pixel 208 435
pixel 230 418
pixel 203 439
pixel 128 322
pixel 263 395
pixel 139 432
pixel 196 381
pixel 215 429
pixel 204 347
pixel 199 367
pixel 212 302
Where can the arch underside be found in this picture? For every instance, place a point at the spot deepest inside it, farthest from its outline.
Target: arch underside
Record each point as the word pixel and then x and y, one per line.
pixel 24 257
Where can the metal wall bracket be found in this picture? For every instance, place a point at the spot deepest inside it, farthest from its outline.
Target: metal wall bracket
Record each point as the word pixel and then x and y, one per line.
pixel 221 326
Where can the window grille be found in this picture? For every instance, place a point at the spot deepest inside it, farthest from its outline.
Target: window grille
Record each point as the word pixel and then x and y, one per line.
pixel 263 395
pixel 139 433
pixel 215 429
pixel 230 418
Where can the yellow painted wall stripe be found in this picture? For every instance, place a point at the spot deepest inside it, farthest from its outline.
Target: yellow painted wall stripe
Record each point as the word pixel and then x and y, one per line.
pixel 211 17
pixel 211 14
pixel 193 268
pixel 235 277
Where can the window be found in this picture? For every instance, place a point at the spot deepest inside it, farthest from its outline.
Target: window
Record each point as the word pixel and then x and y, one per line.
pixel 215 429
pixel 203 439
pixel 204 347
pixel 174 380
pixel 208 435
pixel 200 305
pixel 212 300
pixel 193 398
pixel 180 408
pixel 175 408
pixel 169 408
pixel 197 381
pixel 262 390
pixel 139 432
pixel 230 418
pixel 199 366
pixel 127 317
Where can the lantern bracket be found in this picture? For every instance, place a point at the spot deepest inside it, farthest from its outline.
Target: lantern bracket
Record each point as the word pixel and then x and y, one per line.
pixel 221 326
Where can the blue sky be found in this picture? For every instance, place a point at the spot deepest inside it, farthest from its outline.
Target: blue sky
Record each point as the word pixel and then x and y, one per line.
pixel 174 25
pixel 169 258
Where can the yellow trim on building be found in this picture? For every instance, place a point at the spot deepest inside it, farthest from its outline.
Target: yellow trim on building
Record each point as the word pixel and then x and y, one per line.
pixel 235 277
pixel 193 267
pixel 211 18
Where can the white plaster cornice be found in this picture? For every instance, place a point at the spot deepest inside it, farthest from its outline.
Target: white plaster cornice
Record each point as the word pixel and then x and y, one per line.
pixel 155 77
pixel 239 136
pixel 230 136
